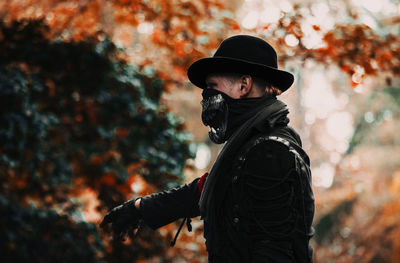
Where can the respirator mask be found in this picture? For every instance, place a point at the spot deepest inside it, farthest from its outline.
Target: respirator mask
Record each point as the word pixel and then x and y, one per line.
pixel 215 114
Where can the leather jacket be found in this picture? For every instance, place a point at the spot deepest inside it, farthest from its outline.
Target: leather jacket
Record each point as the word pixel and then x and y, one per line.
pixel 268 211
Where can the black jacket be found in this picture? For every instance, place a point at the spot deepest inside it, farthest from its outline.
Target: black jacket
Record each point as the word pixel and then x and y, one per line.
pixel 267 213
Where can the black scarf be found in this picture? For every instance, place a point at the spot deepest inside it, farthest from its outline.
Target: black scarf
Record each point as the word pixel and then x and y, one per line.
pixel 265 115
pixel 241 110
pixel 225 114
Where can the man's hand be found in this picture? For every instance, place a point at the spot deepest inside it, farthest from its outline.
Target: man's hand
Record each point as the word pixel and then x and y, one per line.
pixel 125 220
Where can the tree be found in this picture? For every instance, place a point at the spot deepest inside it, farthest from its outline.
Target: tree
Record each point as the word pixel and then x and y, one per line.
pixel 75 119
pixel 168 35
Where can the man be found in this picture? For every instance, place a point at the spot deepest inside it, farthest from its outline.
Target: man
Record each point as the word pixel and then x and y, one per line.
pixel 257 202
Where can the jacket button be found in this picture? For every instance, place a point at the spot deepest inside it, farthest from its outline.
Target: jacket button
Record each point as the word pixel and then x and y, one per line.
pixel 236 207
pixel 234 179
pixel 236 220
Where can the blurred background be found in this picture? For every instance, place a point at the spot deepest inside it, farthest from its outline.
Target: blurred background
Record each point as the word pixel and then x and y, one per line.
pixel 96 109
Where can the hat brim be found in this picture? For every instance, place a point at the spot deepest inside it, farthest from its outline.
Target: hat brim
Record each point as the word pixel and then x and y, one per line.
pixel 201 68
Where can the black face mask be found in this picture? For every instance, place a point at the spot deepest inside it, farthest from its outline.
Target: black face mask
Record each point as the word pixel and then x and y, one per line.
pixel 224 114
pixel 215 113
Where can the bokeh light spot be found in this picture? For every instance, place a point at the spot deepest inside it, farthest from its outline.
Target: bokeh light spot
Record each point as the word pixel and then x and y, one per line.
pixel 250 21
pixel 291 40
pixel 340 125
pixel 323 175
pixel 369 117
pixel 203 156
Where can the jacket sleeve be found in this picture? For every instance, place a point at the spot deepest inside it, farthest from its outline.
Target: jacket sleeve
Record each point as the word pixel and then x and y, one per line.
pixel 160 209
pixel 269 190
pixel 270 195
pixel 276 213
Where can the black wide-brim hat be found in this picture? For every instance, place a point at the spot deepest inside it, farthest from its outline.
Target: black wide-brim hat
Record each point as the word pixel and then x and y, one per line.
pixel 242 54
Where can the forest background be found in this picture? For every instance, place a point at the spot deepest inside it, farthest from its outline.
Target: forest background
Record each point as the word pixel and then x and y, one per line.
pixel 96 109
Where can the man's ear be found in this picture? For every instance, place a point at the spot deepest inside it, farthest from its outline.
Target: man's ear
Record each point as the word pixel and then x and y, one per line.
pixel 246 83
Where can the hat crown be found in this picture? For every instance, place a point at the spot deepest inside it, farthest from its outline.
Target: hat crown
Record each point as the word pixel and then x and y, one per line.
pixel 248 48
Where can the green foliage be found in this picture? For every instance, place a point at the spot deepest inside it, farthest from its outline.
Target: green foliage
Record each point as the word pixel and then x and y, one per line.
pixel 35 235
pixel 72 99
pixel 328 224
pixel 387 99
pixel 73 114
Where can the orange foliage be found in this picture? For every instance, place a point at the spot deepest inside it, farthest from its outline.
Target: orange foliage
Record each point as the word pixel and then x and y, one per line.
pixel 108 178
pixel 121 133
pixel 79 118
pixel 360 45
pixel 92 113
pixel 174 28
pixel 96 159
pixel 316 27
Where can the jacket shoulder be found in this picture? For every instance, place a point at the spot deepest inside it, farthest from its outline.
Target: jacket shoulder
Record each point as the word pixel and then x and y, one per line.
pixel 280 141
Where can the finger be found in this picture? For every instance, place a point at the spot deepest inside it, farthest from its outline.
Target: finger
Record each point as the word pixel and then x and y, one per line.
pixel 105 221
pixel 132 232
pixel 108 218
pixel 116 236
pixel 118 232
pixel 116 228
pixel 123 235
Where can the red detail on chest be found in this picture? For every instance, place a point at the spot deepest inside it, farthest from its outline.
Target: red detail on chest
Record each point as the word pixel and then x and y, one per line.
pixel 201 181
